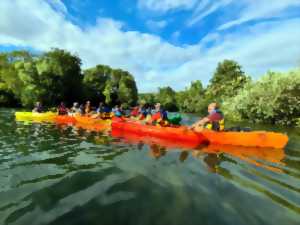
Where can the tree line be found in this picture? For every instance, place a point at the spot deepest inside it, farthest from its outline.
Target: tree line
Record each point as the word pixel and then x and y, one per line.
pixel 56 76
pixel 273 99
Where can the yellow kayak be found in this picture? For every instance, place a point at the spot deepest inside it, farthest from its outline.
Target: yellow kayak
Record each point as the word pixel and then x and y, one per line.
pixel 34 116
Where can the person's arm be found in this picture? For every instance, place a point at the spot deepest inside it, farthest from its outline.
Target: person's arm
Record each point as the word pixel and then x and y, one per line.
pixel 200 123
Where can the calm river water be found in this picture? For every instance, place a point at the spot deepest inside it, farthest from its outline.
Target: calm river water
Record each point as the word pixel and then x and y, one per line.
pixel 52 174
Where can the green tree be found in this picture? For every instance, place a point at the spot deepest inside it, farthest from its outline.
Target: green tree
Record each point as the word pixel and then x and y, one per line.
pixel 275 99
pixel 94 82
pixel 60 77
pixel 227 80
pixel 127 93
pixel 113 86
pixel 52 77
pixel 147 98
pixel 167 97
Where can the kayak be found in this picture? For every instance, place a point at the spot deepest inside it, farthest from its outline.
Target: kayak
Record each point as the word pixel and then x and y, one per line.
pixel 253 155
pixel 65 119
pixel 178 134
pixel 89 120
pixel 34 116
pixel 249 139
pixel 98 127
pixel 183 134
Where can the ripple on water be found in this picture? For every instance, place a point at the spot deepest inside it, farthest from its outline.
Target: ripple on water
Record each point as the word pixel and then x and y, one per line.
pixel 53 174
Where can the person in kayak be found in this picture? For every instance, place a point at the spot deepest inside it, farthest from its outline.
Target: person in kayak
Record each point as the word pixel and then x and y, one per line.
pixel 160 116
pixel 87 108
pixel 135 111
pixel 62 109
pixel 75 109
pixel 38 108
pixel 101 112
pixel 100 108
pixel 214 120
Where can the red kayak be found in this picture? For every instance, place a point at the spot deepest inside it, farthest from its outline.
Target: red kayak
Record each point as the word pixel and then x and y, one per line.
pixel 183 134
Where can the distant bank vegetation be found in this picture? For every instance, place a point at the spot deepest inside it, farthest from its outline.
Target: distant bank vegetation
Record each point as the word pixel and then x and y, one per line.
pixel 56 76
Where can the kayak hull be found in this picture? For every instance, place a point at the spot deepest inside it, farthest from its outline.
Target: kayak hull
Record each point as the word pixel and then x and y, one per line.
pixel 180 134
pixel 33 116
pixel 64 119
pixel 247 139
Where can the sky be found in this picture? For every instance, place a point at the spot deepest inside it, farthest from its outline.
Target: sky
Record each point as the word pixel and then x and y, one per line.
pixel 161 42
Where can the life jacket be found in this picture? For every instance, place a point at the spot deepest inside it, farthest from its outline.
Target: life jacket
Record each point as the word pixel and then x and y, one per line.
pixel 162 114
pixel 62 111
pixel 156 116
pixel 118 113
pixel 217 125
pixel 135 112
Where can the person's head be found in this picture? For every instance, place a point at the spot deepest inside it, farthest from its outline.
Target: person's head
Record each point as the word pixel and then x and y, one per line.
pixel 88 103
pixel 38 104
pixel 75 104
pixel 157 106
pixel 100 104
pixel 212 106
pixel 62 104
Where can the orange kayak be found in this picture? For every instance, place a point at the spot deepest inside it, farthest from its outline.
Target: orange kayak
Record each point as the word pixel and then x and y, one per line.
pixel 250 154
pixel 179 134
pixel 183 134
pixel 65 119
pixel 89 120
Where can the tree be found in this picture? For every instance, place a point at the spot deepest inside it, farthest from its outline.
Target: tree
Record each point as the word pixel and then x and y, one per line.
pixel 94 82
pixel 60 74
pixel 227 80
pixel 113 86
pixel 167 97
pixel 275 99
pixel 147 98
pixel 127 93
pixel 52 77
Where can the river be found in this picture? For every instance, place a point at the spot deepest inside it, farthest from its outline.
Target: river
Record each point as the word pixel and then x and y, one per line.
pixel 52 174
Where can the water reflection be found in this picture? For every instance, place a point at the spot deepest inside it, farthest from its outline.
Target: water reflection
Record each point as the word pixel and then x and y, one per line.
pixel 60 174
pixel 268 158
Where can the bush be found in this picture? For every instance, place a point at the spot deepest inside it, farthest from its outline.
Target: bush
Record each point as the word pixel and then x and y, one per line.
pixel 274 99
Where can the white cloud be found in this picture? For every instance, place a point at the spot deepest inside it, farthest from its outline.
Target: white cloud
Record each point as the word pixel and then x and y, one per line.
pixel 166 5
pixel 154 62
pixel 261 9
pixel 156 25
pixel 58 6
pixel 205 8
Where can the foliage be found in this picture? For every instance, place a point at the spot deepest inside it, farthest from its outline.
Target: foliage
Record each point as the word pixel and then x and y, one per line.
pixel 166 97
pixel 104 84
pixel 275 99
pixel 56 76
pixel 192 99
pixel 148 98
pixel 227 80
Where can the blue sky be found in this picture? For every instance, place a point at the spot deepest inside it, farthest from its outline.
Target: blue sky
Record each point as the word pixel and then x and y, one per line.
pixel 161 42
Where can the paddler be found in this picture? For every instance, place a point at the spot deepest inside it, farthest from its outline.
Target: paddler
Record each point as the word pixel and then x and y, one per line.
pixel 213 121
pixel 38 108
pixel 75 109
pixel 87 108
pixel 135 111
pixel 62 109
pixel 160 115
